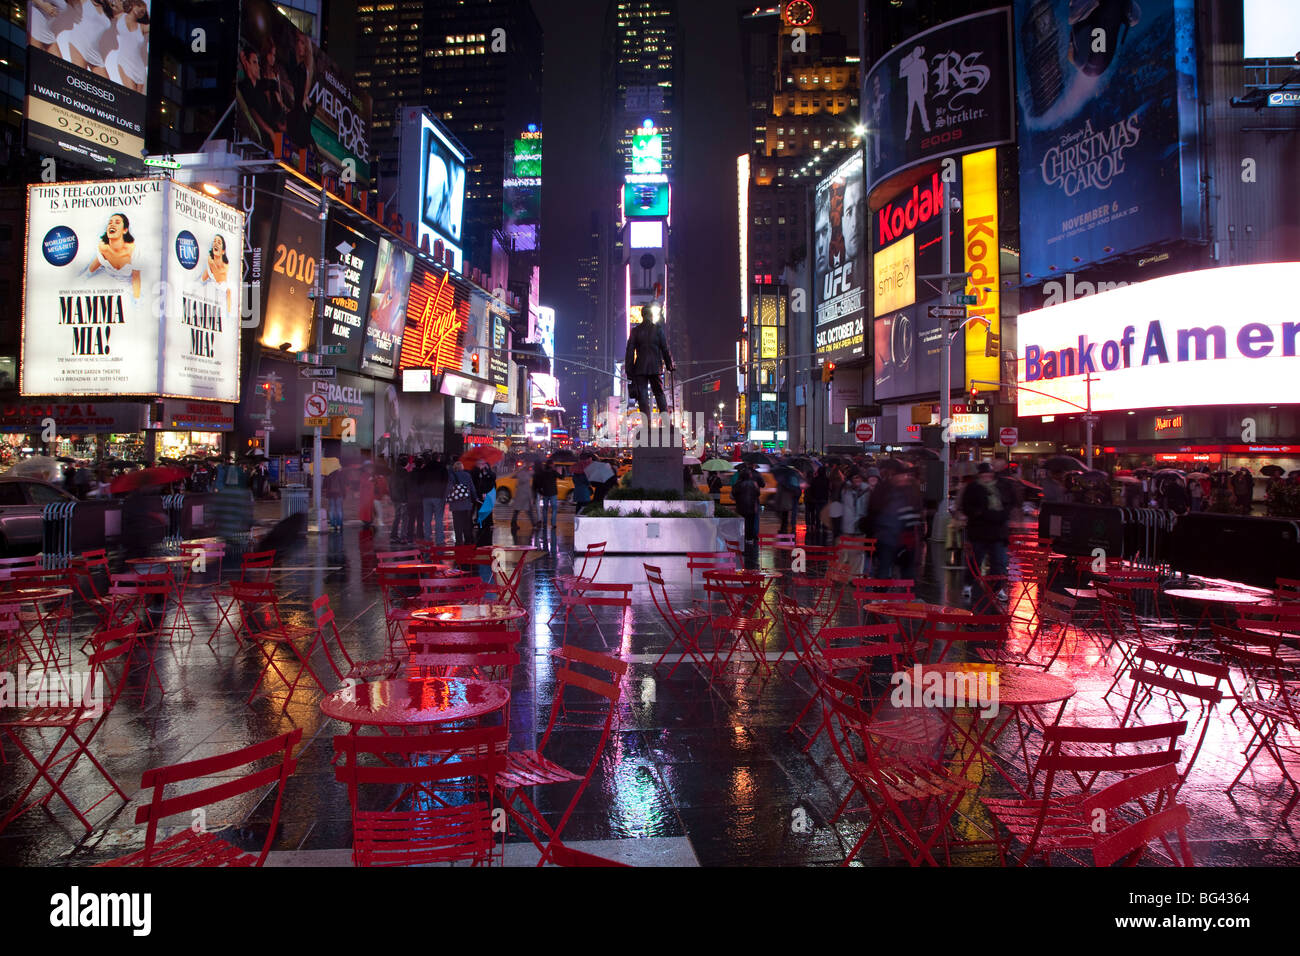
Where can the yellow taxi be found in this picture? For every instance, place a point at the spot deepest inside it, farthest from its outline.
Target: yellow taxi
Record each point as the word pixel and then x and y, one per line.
pixel 766 488
pixel 506 488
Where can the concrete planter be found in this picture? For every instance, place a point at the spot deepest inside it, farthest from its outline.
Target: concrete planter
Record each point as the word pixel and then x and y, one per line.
pixel 702 508
pixel 657 535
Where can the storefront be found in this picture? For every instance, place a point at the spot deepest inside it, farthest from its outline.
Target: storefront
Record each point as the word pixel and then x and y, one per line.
pixel 73 428
pixel 190 429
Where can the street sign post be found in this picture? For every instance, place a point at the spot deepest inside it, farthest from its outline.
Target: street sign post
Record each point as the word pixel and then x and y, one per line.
pixel 333 350
pixel 947 311
pixel 323 371
pixel 309 358
pixel 314 406
pixel 865 431
pixel 1009 436
pixel 963 298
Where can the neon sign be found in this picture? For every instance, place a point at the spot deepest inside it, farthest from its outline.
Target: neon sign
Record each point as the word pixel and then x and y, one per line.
pixel 434 323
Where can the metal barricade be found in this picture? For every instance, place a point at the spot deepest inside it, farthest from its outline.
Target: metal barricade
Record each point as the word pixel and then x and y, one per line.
pixel 56 550
pixel 173 508
pixel 294 500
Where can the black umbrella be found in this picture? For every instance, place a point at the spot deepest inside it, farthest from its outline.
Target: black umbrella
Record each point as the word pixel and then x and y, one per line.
pixel 564 458
pixel 1170 473
pixel 787 475
pixel 926 454
pixel 1064 463
pixel 755 458
pixel 1273 471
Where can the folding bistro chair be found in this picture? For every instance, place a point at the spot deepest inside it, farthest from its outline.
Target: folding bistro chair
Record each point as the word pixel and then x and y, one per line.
pixel 1055 822
pixel 943 631
pixel 869 591
pixel 196 845
pixel 254 568
pixel 909 798
pixel 743 620
pixel 343 665
pixel 594 594
pixel 592 559
pixel 260 620
pixel 582 700
pixel 444 810
pixel 1274 714
pixel 685 624
pixel 77 723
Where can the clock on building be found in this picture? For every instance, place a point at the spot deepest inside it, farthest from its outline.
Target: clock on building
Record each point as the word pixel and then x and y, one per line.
pixel 798 13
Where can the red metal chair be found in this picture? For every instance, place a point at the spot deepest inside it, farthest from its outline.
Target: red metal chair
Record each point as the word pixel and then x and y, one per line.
pixel 77 723
pixel 743 620
pixel 142 599
pixel 582 700
pixel 343 665
pixel 943 631
pixel 84 569
pixel 1051 823
pixel 196 845
pixel 685 625
pixel 1274 714
pixel 1128 632
pixel 568 583
pixel 465 765
pixel 869 591
pixel 1288 589
pixel 411 556
pixel 594 594
pixel 465 589
pixel 909 798
pixel 254 568
pixel 261 622
pixel 706 561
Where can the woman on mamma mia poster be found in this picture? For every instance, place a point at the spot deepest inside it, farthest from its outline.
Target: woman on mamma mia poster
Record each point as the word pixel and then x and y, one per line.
pixel 117 254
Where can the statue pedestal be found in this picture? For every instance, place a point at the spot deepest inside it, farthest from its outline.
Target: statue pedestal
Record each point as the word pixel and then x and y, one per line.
pixel 657 459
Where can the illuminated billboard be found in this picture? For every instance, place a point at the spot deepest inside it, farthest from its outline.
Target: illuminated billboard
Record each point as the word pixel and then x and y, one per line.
pixel 1109 158
pixel 1218 336
pixel 645 235
pixel 289 87
pixel 289 278
pixel 87 67
pixel 522 190
pixel 387 310
pixel 131 288
pixel 979 172
pixel 645 200
pixel 839 263
pixel 437 314
pixel 647 150
pixel 435 200
pixel 350 258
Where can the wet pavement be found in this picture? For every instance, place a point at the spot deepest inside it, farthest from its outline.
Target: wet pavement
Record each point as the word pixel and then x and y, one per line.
pixel 697 772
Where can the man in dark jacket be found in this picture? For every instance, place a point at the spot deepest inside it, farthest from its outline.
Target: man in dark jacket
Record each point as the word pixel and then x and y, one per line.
pixel 545 486
pixel 460 493
pixel 418 481
pixel 745 494
pixel 815 499
pixel 644 361
pixel 988 514
pixel 435 498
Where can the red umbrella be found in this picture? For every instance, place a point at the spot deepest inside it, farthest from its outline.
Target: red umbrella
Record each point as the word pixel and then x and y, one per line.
pixel 489 453
pixel 146 477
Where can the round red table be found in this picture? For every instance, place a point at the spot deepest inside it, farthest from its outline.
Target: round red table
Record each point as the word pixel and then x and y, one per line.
pixel 1019 691
pixel 414 702
pixel 455 617
pixel 913 610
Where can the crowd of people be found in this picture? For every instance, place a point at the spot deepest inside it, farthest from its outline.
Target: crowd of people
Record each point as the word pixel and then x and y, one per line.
pixel 422 488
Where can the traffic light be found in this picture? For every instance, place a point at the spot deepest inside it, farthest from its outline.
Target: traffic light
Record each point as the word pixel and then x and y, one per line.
pixel 279 392
pixel 828 373
pixel 473 362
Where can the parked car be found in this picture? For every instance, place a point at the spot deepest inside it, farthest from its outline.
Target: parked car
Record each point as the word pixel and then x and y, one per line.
pixel 22 501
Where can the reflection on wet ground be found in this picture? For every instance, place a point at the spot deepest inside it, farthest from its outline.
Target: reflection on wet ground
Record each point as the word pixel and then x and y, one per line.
pixel 697 770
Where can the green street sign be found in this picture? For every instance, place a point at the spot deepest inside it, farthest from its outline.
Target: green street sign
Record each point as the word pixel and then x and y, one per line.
pixel 333 350
pixel 964 299
pixel 164 162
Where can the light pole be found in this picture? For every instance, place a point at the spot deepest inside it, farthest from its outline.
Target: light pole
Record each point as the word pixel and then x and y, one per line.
pixel 1089 418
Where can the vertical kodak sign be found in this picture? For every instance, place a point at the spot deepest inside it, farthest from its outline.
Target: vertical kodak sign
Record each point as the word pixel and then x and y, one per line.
pixel 979 173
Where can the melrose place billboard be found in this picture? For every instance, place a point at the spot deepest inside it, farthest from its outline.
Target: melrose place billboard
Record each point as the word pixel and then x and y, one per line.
pixel 131 288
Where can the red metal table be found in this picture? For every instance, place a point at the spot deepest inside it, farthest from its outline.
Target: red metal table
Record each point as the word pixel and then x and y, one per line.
pixel 460 617
pixel 1209 599
pixel 1020 691
pixel 407 703
pixel 44 619
pixel 179 565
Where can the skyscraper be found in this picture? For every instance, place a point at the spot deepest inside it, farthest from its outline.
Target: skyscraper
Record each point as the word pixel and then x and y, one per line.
pixel 802 87
pixel 476 67
pixel 640 99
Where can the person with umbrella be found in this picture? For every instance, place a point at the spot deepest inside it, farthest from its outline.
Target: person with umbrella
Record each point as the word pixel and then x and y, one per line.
pixel 786 497
pixel 332 485
pixel 815 499
pixel 714 481
pixel 602 479
pixel 436 477
pixel 460 498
